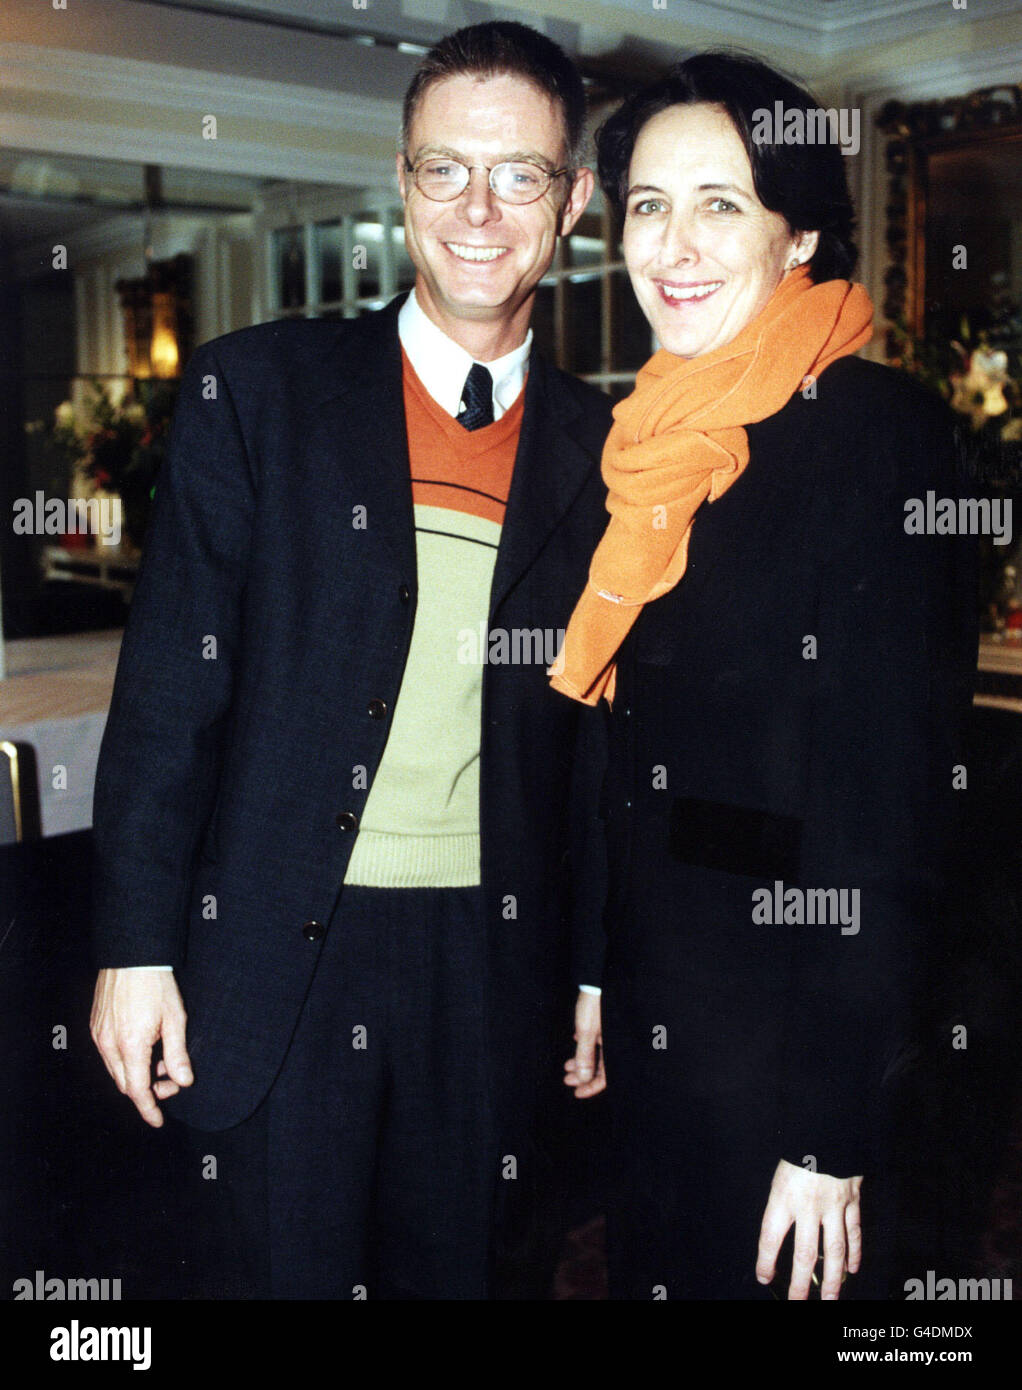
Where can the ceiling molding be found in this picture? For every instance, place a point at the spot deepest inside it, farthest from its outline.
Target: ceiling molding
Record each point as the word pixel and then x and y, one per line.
pixel 102 77
pixel 269 160
pixel 426 20
pixel 942 77
pixel 106 83
pixel 837 15
pixel 820 31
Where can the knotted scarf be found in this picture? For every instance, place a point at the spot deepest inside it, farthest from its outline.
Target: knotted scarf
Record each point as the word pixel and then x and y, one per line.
pixel 679 440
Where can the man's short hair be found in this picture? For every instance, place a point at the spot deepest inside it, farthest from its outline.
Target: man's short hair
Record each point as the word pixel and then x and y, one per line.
pixel 505 47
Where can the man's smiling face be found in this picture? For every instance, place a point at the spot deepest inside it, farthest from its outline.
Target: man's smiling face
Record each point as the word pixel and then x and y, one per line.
pixel 479 260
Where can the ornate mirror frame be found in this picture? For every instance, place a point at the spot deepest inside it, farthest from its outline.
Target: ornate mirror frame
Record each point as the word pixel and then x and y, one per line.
pixel 917 130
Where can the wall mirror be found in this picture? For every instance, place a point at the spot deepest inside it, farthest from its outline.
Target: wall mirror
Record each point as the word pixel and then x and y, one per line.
pixel 954 213
pixel 953 299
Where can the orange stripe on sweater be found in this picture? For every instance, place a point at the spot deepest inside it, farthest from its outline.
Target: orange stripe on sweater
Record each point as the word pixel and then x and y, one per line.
pixel 452 467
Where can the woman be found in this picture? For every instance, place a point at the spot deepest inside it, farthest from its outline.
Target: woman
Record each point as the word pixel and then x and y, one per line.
pixel 785 671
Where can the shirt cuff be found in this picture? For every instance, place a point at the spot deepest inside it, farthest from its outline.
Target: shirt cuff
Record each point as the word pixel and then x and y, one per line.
pixel 590 989
pixel 145 967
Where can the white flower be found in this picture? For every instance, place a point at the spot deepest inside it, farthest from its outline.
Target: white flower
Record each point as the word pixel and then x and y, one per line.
pixel 991 364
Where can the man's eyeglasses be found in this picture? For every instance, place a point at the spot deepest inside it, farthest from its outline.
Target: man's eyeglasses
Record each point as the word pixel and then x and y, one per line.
pixel 516 181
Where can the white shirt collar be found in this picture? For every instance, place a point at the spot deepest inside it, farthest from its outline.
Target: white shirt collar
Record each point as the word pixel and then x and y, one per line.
pixel 442 366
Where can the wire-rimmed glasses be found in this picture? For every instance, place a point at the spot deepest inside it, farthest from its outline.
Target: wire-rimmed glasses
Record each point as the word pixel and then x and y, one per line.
pixel 515 181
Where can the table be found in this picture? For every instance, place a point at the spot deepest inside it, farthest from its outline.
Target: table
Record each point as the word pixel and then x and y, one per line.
pixel 999 675
pixel 55 697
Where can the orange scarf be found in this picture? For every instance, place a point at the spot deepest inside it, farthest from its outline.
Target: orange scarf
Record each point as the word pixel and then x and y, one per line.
pixel 679 440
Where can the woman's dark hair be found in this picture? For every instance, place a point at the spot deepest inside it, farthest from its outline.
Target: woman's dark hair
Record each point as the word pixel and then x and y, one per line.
pixel 498 47
pixel 805 183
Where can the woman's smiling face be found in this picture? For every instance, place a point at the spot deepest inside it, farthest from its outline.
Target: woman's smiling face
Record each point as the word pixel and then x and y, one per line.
pixel 703 253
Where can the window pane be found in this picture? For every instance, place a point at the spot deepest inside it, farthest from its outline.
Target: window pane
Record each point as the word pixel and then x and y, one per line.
pixel 582 326
pixel 585 245
pixel 617 390
pixel 543 323
pixel 328 249
pixel 631 339
pixel 368 238
pixel 405 269
pixel 289 258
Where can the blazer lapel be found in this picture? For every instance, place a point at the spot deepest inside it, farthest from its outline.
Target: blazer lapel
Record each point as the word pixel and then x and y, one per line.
pixel 550 470
pixel 361 419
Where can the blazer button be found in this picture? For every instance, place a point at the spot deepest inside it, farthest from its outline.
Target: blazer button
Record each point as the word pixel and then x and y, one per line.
pixel 377 709
pixel 404 593
pixel 346 820
pixel 314 931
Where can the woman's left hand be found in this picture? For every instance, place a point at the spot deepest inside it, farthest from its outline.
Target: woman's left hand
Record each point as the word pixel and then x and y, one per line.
pixel 811 1201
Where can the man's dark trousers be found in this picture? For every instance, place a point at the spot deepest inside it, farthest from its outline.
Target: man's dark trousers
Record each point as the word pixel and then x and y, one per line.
pixel 370 1174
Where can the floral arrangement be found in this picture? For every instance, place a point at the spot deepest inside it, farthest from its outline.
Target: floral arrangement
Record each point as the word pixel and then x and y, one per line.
pixel 983 390
pixel 119 448
pixel 979 374
pixel 975 377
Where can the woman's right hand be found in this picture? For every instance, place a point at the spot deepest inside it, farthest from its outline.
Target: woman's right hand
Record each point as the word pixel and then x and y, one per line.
pixel 585 1070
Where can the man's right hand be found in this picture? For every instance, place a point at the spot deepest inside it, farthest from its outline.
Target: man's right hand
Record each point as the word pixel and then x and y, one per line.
pixel 130 1010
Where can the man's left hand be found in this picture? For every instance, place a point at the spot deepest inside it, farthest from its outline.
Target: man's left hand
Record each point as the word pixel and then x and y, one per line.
pixel 811 1201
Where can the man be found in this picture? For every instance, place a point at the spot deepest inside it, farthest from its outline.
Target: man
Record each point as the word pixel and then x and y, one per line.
pixel 340 827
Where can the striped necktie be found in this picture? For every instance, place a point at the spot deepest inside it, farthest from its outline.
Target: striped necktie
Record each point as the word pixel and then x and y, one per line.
pixel 477 399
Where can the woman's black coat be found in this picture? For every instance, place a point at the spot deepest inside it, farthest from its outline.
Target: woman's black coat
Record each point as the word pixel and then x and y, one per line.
pixel 791 713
